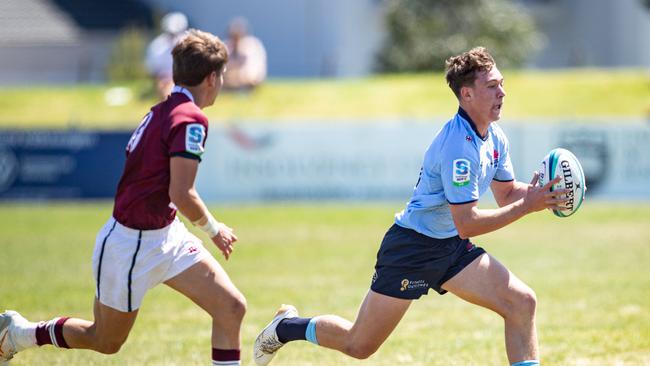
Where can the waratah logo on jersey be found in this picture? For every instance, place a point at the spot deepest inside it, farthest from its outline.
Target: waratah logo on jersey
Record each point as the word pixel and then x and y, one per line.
pixel 194 137
pixel 460 167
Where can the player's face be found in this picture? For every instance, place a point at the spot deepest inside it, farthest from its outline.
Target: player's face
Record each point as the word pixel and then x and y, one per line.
pixel 487 94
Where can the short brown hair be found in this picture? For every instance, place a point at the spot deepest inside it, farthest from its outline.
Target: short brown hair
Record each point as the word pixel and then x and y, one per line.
pixel 196 56
pixel 461 70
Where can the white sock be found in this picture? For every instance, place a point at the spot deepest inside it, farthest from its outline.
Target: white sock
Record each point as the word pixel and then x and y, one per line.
pixel 24 335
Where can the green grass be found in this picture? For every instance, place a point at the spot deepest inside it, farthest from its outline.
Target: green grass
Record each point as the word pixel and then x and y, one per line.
pixel 575 94
pixel 590 273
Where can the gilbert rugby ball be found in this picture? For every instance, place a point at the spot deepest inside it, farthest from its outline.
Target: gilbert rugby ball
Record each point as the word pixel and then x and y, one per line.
pixel 562 163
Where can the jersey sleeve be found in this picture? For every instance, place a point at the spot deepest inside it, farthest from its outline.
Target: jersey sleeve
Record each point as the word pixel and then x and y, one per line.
pixel 187 139
pixel 459 168
pixel 504 172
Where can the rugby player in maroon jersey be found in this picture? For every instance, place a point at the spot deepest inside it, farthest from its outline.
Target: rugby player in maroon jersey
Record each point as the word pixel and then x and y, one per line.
pixel 144 243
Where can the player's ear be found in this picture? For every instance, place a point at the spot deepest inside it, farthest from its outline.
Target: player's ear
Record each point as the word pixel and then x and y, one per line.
pixel 466 93
pixel 212 78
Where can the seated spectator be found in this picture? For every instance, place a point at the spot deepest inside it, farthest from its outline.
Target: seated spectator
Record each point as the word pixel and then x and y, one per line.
pixel 159 52
pixel 246 67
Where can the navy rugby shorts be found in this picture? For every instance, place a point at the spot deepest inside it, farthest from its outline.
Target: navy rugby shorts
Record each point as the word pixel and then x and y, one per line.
pixel 410 263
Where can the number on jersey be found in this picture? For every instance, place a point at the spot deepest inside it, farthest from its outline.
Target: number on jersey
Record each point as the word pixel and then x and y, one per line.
pixel 137 135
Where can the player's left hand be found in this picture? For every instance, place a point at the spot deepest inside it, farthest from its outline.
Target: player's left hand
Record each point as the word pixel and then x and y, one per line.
pixel 225 240
pixel 539 198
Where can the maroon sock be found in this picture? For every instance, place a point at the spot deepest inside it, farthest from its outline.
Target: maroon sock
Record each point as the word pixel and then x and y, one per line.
pixel 51 332
pixel 225 355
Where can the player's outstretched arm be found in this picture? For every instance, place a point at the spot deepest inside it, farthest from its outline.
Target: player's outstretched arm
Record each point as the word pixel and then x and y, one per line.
pixel 187 200
pixel 471 221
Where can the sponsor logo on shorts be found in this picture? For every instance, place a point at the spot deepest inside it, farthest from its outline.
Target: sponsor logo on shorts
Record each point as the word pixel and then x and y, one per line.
pixel 192 249
pixel 413 285
pixel 194 137
pixel 460 167
pixel 374 277
pixel 470 246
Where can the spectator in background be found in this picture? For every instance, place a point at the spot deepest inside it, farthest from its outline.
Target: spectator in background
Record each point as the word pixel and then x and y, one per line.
pixel 247 63
pixel 159 52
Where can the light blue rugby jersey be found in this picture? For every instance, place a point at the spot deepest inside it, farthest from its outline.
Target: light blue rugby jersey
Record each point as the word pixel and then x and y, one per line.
pixel 458 168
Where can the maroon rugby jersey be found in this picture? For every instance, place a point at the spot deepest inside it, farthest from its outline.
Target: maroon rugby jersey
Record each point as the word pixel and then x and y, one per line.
pixel 175 127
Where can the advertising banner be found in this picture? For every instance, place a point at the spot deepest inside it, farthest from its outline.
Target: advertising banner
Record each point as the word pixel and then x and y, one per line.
pixel 312 162
pixel 615 158
pixel 60 164
pixel 381 161
pixel 315 161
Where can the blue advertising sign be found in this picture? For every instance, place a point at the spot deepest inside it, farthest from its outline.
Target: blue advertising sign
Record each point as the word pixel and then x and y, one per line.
pixel 60 164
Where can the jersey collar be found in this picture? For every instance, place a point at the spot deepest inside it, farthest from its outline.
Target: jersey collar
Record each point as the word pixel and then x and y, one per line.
pixel 180 89
pixel 463 114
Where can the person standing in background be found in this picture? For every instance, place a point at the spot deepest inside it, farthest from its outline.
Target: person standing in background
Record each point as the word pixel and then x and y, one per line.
pixel 158 60
pixel 247 63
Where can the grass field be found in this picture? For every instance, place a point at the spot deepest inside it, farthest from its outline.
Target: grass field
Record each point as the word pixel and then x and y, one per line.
pixel 591 274
pixel 585 94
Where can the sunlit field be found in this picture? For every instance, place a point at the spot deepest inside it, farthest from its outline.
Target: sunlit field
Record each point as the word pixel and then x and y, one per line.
pixel 591 273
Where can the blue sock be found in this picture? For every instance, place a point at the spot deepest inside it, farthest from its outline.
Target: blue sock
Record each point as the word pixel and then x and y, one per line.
pixel 310 333
pixel 292 329
pixel 527 363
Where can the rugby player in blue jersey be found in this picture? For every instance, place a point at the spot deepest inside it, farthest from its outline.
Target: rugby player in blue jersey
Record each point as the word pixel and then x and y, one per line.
pixel 429 245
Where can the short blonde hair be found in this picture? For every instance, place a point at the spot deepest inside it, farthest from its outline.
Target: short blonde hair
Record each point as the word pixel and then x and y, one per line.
pixel 461 70
pixel 196 56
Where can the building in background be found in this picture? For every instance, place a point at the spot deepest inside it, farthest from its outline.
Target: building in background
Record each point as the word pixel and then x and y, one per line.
pixel 324 38
pixel 62 41
pixel 52 41
pixel 593 33
pixel 303 38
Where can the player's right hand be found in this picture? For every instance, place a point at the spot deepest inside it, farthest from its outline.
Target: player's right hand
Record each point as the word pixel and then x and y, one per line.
pixel 225 240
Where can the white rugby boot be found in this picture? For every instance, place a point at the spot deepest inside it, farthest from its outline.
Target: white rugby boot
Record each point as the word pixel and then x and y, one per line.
pixel 267 342
pixel 8 346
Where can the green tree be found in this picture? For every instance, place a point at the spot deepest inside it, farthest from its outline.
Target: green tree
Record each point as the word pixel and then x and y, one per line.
pixel 126 61
pixel 422 34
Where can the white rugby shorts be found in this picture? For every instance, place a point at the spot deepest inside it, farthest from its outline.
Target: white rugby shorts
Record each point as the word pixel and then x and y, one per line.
pixel 128 262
